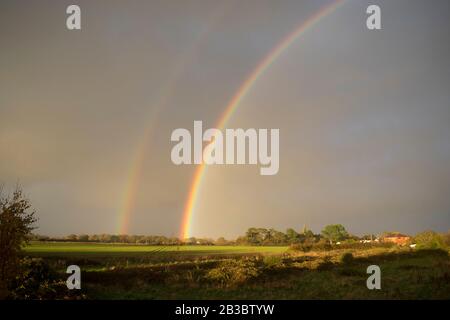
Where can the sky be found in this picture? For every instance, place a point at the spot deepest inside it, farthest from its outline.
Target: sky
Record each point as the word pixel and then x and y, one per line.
pixel 363 114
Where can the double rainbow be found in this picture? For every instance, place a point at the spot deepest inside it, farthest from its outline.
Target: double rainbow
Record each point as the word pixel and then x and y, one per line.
pixel 195 186
pixel 270 58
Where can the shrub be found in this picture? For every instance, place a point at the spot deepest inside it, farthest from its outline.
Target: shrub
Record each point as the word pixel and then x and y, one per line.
pixel 429 240
pixel 446 238
pixel 232 272
pixel 300 247
pixel 273 261
pixel 36 281
pixel 322 245
pixel 16 223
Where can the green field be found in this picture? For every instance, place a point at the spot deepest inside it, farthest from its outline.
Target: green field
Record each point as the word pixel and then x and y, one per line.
pixel 98 256
pixel 114 271
pixel 72 248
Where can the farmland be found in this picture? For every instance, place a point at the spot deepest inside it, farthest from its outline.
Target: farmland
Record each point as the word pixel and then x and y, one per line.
pixel 68 248
pixel 115 271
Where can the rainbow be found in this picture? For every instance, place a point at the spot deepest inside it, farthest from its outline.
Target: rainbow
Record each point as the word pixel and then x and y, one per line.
pixel 134 174
pixel 271 57
pixel 133 178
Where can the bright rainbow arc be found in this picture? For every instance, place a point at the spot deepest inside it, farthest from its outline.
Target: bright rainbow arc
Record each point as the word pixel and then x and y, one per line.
pixel 273 55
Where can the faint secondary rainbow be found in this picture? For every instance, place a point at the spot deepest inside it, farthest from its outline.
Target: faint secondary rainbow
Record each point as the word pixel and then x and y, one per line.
pixel 271 57
pixel 133 178
pixel 134 174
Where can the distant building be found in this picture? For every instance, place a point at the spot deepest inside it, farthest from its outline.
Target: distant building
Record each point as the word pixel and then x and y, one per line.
pixel 397 238
pixel 369 240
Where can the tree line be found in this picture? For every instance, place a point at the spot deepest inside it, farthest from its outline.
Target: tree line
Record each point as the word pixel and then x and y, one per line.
pixel 330 235
pixel 253 236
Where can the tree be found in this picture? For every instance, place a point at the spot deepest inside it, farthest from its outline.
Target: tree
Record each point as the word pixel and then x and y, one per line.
pixel 253 236
pixel 276 237
pixel 242 240
pixel 307 235
pixel 429 240
pixel 105 238
pixel 334 233
pixel 16 224
pixel 221 241
pixel 446 238
pixel 72 237
pixel 83 238
pixel 292 236
pixel 94 238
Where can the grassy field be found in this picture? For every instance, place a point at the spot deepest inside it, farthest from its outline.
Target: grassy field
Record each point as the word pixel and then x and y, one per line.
pixel 69 248
pixel 247 272
pixel 100 256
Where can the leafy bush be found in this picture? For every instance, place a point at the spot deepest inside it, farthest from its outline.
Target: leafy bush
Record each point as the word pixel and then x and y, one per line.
pixel 322 245
pixel 446 238
pixel 429 240
pixel 16 223
pixel 362 246
pixel 36 281
pixel 301 247
pixel 325 246
pixel 233 272
pixel 273 261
